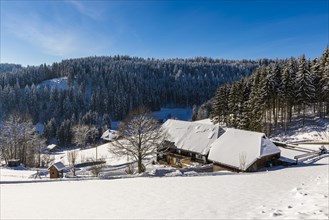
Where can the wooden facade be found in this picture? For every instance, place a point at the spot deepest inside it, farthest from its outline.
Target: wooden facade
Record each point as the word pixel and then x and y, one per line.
pixel 14 162
pixel 180 158
pixel 56 170
pixel 54 173
pixel 267 161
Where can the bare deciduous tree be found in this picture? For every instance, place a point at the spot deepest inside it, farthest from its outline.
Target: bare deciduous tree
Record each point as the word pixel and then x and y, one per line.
pixel 242 161
pixel 72 156
pixel 18 139
pixel 84 134
pixel 96 169
pixel 140 136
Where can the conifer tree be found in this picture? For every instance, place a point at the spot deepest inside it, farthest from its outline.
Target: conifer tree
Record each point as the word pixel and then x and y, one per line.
pixel 304 81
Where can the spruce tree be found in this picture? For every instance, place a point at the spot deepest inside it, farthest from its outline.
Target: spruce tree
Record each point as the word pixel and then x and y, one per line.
pixel 304 81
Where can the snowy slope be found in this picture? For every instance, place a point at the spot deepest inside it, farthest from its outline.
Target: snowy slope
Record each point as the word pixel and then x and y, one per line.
pixel 59 83
pixel 297 192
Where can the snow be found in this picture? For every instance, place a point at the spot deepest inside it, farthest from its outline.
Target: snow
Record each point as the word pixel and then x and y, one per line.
pixel 59 83
pixel 236 145
pixel 51 147
pixel 315 130
pixel 59 166
pixel 191 136
pixel 268 148
pixel 205 121
pixel 109 135
pixel 296 192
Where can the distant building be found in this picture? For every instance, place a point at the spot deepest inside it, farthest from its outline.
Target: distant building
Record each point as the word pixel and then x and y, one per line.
pixel 51 148
pixel 56 170
pixel 110 135
pixel 14 162
pixel 241 150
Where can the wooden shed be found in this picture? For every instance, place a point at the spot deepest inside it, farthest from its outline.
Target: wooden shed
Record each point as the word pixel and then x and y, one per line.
pixel 56 170
pixel 14 162
pixel 51 148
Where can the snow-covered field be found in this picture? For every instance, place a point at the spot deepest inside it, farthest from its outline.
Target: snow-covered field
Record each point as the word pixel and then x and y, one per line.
pixel 289 193
pixel 295 192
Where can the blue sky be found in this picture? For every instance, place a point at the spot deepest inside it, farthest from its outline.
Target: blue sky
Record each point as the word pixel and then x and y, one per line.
pixel 36 32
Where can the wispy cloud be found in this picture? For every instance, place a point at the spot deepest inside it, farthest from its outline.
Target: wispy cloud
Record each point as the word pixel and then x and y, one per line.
pixel 85 10
pixel 54 37
pixel 51 38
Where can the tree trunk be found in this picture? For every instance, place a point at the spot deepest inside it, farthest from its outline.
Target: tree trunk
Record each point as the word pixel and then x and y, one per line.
pixel 303 114
pixel 140 164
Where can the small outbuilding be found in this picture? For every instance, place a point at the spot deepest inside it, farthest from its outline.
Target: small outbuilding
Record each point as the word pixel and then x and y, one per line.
pixel 14 162
pixel 52 148
pixel 56 170
pixel 241 150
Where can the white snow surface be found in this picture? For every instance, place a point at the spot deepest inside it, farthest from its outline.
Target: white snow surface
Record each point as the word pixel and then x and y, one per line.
pixel 205 121
pixel 51 146
pixel 191 136
pixel 297 192
pixel 60 83
pixel 236 145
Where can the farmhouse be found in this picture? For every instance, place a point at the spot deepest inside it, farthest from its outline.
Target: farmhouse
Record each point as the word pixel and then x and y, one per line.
pixel 188 142
pixel 51 148
pixel 56 170
pixel 109 135
pixel 240 150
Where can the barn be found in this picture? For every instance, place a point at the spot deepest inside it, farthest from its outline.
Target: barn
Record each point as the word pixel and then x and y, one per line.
pixel 241 150
pixel 56 170
pixel 188 142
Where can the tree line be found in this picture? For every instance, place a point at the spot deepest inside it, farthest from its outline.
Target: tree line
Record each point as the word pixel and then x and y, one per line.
pixel 101 89
pixel 273 94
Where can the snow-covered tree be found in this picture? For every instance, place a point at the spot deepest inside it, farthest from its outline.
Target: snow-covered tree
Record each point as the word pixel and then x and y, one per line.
pixel 304 82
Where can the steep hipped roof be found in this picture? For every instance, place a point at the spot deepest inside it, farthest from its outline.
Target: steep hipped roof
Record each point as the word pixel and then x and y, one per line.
pixel 191 136
pixel 58 165
pixel 236 146
pixel 110 135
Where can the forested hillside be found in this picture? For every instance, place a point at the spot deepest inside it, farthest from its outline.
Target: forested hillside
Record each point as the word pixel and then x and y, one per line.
pixel 100 88
pixel 274 93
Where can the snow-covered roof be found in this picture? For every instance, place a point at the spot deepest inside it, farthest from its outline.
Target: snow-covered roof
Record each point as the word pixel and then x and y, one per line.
pixel 58 165
pixel 51 147
pixel 191 136
pixel 236 146
pixel 205 121
pixel 110 135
